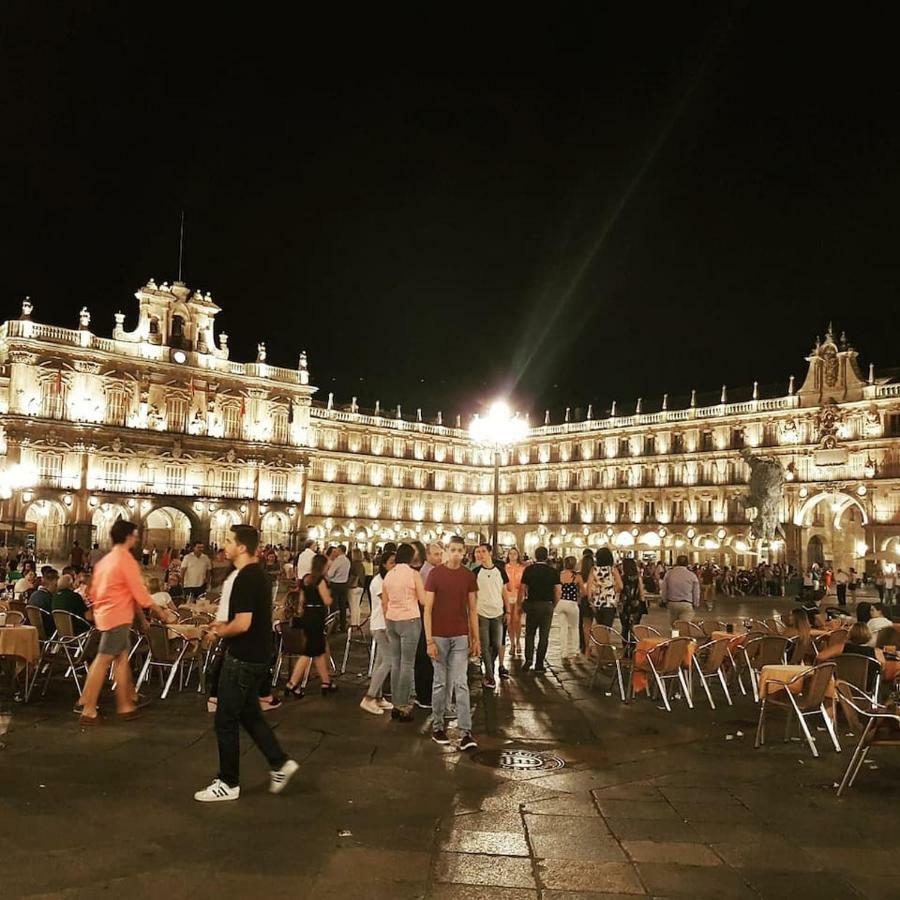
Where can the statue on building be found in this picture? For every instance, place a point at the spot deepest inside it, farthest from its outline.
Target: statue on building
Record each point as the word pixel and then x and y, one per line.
pixel 261 352
pixel 27 308
pixel 765 495
pixel 84 319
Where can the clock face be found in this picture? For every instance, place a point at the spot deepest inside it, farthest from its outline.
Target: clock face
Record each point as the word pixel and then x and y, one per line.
pixel 179 356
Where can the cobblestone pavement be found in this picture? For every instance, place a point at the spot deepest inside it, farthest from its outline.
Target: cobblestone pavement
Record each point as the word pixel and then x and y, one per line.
pixel 647 803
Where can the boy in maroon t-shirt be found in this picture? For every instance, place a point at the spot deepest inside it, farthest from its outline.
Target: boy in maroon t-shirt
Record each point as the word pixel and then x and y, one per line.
pixel 451 633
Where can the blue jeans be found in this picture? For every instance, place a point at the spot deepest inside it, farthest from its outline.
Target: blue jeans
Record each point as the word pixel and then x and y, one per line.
pixel 403 637
pixel 451 676
pixel 490 631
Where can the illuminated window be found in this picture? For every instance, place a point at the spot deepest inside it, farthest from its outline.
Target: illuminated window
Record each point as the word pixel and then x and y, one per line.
pixel 176 413
pixel 677 510
pixel 229 482
pixel 50 468
pixel 624 512
pixel 232 420
pixel 175 477
pixel 116 409
pixel 649 510
pixel 280 426
pixel 278 485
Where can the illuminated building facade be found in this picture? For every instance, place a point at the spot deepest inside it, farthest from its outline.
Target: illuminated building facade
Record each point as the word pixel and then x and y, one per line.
pixel 159 426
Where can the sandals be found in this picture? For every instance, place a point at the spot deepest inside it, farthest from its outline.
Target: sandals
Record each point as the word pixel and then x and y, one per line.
pixel 294 690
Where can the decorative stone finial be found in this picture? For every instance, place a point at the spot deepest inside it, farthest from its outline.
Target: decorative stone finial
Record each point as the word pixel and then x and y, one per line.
pixel 694 397
pixel 567 414
pixel 440 418
pixel 399 412
pixel 637 408
pixel 590 412
pixel 261 352
pixel 84 319
pixel 419 414
pixel 665 403
pixel 458 420
pixel 546 416
pixel 724 397
pixel 791 386
pixel 223 340
pixel 377 407
pixel 330 400
pixel 756 390
pixel 27 307
pixel 354 407
pixel 303 365
pixel 612 410
pixel 120 320
pixel 871 373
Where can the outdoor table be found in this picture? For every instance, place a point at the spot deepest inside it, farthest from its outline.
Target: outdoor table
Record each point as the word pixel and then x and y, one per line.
pixel 642 667
pixel 21 643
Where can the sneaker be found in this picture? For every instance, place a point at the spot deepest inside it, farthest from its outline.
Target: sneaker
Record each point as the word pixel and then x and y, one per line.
pixel 423 705
pixel 278 778
pixel 217 791
pixel 503 672
pixel 468 742
pixel 440 737
pixel 384 704
pixel 370 705
pixel 489 683
pixel 211 704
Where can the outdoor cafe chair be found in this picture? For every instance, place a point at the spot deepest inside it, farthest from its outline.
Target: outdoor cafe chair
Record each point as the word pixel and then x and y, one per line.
pixel 876 725
pixel 808 701
pixel 666 661
pixel 822 641
pixel 12 617
pixel 609 654
pixel 641 632
pixel 708 626
pixel 860 671
pixel 291 644
pixel 688 629
pixel 72 636
pixel 775 626
pixel 763 650
pixel 167 652
pixel 708 662
pixel 17 606
pixel 331 621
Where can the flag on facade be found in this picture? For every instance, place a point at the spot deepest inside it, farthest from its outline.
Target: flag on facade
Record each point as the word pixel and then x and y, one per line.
pixel 243 407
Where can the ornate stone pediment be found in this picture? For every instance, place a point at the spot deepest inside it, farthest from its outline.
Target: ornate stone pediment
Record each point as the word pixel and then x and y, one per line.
pixel 88 368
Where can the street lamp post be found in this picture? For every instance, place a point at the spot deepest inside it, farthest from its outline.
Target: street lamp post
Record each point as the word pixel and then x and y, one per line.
pixel 500 429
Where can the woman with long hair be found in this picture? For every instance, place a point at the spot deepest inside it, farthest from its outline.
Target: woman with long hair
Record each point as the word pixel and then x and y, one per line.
pixel 566 611
pixel 315 599
pixel 585 581
pixel 374 701
pixel 606 587
pixel 803 650
pixel 402 596
pixel 632 606
pixel 514 570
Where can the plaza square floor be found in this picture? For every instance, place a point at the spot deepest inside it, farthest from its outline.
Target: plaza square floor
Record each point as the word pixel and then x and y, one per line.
pixel 648 803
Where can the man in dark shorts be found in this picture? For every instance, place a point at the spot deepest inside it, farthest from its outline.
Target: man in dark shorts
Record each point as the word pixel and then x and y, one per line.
pixel 119 594
pixel 247 638
pixel 539 593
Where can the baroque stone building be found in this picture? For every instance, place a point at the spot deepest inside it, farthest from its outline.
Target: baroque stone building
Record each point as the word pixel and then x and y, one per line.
pixel 159 426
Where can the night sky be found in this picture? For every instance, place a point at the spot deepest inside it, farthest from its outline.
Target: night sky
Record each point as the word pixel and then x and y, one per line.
pixel 575 208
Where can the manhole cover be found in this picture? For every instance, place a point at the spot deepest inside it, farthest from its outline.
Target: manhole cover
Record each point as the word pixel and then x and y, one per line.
pixel 520 760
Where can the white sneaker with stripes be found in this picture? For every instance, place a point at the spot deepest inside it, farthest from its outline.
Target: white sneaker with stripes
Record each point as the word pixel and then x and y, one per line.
pixel 217 791
pixel 278 778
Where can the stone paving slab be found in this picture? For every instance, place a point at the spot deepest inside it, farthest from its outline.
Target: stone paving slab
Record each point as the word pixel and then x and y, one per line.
pixel 649 803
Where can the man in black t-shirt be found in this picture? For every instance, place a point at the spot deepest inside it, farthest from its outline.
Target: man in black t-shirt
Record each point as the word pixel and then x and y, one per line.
pixel 247 640
pixel 539 593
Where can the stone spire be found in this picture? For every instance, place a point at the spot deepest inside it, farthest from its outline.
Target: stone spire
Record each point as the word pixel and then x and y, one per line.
pixel 724 397
pixel 639 405
pixel 665 403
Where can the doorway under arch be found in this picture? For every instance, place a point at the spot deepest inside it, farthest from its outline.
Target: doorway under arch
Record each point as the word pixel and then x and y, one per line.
pixel 220 523
pixel 166 527
pixel 275 528
pixel 815 551
pixel 105 515
pixel 49 518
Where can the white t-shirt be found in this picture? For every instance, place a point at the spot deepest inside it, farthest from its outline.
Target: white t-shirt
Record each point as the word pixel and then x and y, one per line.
pixel 490 592
pixel 304 562
pixel 225 598
pixel 376 620
pixel 875 625
pixel 841 578
pixel 889 580
pixel 161 598
pixel 22 585
pixel 195 568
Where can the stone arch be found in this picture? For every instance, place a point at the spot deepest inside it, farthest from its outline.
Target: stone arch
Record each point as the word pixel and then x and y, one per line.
pixel 815 550
pixel 168 526
pixel 841 500
pixel 102 520
pixel 50 519
pixel 220 523
pixel 275 528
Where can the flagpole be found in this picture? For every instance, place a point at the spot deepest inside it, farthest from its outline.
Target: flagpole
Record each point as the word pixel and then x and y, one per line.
pixel 181 245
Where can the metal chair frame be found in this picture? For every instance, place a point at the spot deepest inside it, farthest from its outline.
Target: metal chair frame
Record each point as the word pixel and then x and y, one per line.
pixel 671 667
pixel 174 666
pixel 608 654
pixel 813 704
pixel 716 653
pixel 72 645
pixel 763 650
pixel 848 671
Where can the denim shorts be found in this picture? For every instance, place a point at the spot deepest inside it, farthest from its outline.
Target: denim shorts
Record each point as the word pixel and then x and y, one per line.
pixel 115 641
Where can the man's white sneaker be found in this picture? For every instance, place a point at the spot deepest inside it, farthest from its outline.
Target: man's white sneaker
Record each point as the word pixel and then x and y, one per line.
pixel 278 778
pixel 218 790
pixel 370 705
pixel 384 704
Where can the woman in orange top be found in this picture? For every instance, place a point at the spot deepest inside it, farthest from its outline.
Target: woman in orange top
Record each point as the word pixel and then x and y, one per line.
pixel 514 570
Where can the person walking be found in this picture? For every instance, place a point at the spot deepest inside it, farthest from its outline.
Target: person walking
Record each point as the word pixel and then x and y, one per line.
pixel 423 679
pixel 708 583
pixel 491 603
pixel 315 599
pixel 680 591
pixel 118 594
pixel 632 605
pixel 339 582
pixel 514 570
pixel 841 580
pixel 195 568
pixel 585 581
pixel 451 635
pixel 539 593
pixel 374 701
pixel 567 610
pixel 402 593
pixel 247 639
pixel 606 587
